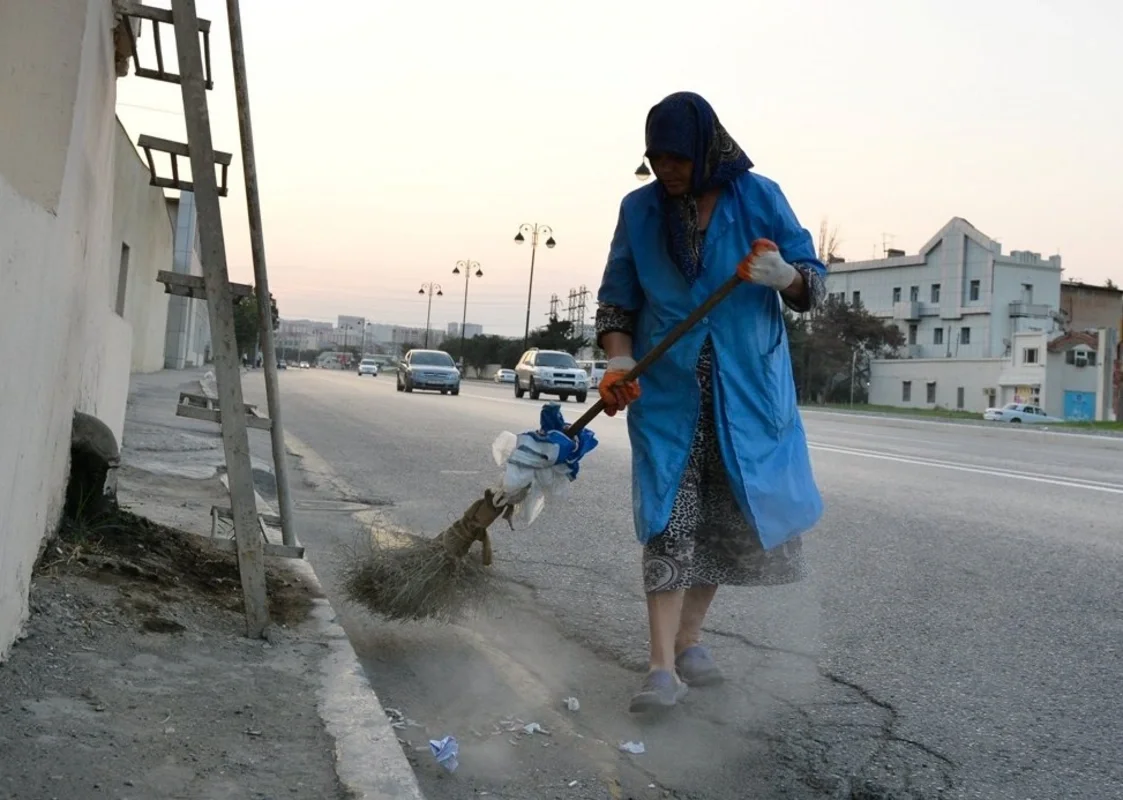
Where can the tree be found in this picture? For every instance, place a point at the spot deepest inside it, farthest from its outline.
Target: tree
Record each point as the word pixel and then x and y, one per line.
pixel 836 344
pixel 1110 284
pixel 829 242
pixel 247 324
pixel 557 334
pixel 483 350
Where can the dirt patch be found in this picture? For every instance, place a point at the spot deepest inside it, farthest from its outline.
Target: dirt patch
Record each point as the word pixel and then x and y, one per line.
pixel 135 679
pixel 116 542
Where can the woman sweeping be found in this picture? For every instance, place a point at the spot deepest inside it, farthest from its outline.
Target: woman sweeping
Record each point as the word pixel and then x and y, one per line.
pixel 721 478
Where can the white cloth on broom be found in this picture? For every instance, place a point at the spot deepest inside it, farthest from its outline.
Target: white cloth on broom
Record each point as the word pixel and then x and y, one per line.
pixel 540 464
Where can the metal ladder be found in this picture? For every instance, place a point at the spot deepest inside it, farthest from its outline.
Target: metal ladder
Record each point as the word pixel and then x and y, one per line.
pixel 209 173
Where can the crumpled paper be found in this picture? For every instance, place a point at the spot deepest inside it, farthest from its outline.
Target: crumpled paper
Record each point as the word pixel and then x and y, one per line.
pixel 446 751
pixel 540 464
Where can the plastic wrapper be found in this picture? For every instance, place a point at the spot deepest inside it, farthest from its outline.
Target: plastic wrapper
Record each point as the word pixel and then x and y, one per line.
pixel 540 465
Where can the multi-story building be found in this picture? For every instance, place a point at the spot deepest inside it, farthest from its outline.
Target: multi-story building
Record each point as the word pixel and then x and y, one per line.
pixel 959 297
pixel 471 329
pixel 1087 307
pixel 981 328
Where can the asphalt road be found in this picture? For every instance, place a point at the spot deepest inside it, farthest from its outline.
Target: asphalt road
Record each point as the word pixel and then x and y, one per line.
pixel 961 635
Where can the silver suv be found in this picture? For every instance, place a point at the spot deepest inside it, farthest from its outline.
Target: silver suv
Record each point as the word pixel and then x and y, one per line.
pixel 550 372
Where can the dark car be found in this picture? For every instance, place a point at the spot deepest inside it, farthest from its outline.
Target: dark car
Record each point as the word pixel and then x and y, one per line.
pixel 428 369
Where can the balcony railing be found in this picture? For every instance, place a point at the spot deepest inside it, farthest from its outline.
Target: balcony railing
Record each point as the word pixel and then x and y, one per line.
pixel 1018 309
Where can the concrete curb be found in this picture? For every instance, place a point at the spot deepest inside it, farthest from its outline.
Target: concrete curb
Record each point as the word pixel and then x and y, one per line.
pixel 369 761
pixel 368 758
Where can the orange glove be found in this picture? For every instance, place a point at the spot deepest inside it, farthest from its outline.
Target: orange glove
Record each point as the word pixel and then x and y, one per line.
pixel 765 266
pixel 615 392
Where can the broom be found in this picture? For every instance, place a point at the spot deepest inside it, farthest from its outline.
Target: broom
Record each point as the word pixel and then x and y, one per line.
pixel 405 577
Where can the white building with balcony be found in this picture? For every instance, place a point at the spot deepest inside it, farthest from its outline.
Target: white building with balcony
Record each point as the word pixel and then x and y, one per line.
pixel 982 328
pixel 960 297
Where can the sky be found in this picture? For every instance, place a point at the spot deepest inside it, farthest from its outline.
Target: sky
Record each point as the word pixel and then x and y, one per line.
pixel 395 139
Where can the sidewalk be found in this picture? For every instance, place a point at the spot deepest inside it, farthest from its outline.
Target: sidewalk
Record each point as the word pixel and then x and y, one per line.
pixel 135 679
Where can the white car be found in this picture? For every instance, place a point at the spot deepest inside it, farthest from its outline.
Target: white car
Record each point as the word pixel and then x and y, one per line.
pixel 596 370
pixel 368 366
pixel 505 376
pixel 1019 413
pixel 552 372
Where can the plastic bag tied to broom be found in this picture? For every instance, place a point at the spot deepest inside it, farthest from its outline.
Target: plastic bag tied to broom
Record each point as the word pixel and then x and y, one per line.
pixel 540 464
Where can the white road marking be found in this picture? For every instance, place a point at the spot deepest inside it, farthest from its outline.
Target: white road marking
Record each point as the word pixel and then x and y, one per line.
pixel 1035 477
pixel 997 427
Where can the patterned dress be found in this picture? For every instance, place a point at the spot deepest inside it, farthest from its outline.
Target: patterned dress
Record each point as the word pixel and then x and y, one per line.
pixel 708 541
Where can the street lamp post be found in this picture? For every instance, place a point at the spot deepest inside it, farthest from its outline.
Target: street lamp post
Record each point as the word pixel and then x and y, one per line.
pixel 467 265
pixel 429 289
pixel 534 230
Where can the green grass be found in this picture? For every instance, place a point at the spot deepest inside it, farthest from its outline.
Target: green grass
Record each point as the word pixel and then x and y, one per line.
pixel 866 408
pixel 947 413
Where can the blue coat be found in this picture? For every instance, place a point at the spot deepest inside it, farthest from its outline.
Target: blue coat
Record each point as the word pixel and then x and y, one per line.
pixel 760 432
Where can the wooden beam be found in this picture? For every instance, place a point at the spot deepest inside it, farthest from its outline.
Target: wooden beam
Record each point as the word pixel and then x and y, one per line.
pixel 268 548
pixel 195 286
pixel 220 306
pixel 215 415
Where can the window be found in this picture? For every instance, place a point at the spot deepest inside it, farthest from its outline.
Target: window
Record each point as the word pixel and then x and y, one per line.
pixel 906 391
pixel 935 292
pixel 122 280
pixel 938 336
pixel 857 299
pixel 896 294
pixel 1027 293
pixel 431 358
pixel 973 291
pixel 931 392
pixel 965 336
pixel 912 333
pixel 1081 358
pixel 914 294
pixel 959 398
pixel 1029 355
pixel 548 358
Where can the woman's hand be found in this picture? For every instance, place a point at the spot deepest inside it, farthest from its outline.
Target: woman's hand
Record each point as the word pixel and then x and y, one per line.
pixel 765 266
pixel 614 391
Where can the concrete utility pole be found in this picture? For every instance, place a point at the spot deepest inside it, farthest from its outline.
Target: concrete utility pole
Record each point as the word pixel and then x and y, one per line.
pixel 261 275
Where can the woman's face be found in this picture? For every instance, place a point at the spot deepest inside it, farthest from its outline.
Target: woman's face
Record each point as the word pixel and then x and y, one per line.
pixel 673 172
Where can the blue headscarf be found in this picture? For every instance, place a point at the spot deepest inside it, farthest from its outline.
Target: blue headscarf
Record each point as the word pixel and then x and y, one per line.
pixel 685 125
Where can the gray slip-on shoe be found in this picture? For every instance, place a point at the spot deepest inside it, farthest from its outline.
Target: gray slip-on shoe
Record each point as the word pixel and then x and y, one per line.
pixel 697 667
pixel 661 690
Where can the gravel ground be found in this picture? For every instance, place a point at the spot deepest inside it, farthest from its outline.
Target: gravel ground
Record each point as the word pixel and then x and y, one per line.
pixel 135 679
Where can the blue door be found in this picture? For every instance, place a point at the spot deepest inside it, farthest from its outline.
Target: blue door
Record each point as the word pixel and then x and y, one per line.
pixel 1079 405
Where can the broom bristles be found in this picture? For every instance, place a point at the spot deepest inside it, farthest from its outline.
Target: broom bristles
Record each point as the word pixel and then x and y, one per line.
pixel 405 577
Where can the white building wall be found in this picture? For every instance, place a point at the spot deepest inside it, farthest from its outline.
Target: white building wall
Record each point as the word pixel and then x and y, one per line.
pixel 188 337
pixel 140 223
pixel 62 347
pixel 969 318
pixel 976 377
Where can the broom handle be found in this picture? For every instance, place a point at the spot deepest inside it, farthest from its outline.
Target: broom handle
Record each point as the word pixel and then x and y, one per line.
pixel 658 350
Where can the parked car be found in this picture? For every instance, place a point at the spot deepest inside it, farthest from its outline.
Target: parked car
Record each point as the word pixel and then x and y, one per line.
pixel 368 366
pixel 505 376
pixel 305 365
pixel 1019 413
pixel 428 369
pixel 595 370
pixel 282 364
pixel 552 372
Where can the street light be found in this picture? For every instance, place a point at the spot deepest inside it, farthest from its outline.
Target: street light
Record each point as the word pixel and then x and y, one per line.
pixel 467 265
pixel 430 289
pixel 642 172
pixel 534 230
